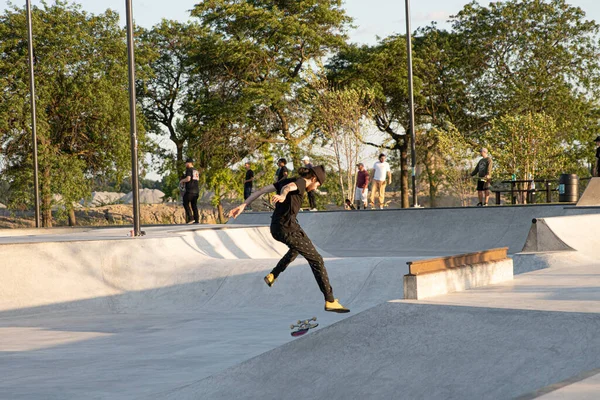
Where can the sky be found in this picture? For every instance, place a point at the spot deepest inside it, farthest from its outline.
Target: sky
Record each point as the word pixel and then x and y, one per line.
pixel 372 17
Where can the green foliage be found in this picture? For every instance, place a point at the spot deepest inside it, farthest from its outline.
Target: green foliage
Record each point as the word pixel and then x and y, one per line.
pixel 527 146
pixel 261 48
pixel 532 56
pixel 445 155
pixel 81 87
pixel 383 69
pixel 337 114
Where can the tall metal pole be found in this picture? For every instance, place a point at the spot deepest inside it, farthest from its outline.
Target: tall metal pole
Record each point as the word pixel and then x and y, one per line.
pixel 132 122
pixel 33 119
pixel 411 105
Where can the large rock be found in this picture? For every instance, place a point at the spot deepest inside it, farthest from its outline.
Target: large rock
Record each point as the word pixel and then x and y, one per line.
pixel 104 198
pixel 2 205
pixel 147 196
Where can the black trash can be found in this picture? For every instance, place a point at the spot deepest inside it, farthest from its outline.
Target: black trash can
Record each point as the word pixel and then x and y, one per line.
pixel 568 188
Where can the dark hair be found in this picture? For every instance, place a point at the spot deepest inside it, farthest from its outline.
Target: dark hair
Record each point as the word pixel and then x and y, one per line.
pixel 381 155
pixel 306 173
pixel 283 160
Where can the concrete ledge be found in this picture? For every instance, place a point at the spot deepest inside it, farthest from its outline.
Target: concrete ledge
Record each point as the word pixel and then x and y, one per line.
pixel 457 278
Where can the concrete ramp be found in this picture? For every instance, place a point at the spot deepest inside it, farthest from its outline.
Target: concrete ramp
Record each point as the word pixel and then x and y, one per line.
pixel 569 233
pixel 218 269
pixel 421 232
pixel 400 350
pixel 591 195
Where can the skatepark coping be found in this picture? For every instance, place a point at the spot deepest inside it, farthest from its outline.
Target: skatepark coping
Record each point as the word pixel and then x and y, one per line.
pixel 431 265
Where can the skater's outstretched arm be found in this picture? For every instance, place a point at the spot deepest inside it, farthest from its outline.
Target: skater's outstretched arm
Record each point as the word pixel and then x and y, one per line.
pixel 238 210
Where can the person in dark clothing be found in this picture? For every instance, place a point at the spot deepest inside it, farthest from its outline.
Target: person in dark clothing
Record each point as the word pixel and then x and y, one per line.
pixel 312 201
pixel 248 181
pixel 596 171
pixel 285 228
pixel 282 172
pixel 483 170
pixel 192 191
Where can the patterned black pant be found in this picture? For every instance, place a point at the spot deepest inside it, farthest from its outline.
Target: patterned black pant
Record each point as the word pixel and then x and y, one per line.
pixel 299 243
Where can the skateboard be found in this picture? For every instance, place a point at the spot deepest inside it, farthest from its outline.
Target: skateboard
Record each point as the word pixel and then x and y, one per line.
pixel 303 326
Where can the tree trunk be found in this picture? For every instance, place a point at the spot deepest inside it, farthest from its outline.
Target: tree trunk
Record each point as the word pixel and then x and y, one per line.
pixel 180 161
pixel 220 213
pixel 72 219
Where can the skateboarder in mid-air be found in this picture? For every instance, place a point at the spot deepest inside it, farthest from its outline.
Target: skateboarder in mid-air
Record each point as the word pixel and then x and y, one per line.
pixel 285 228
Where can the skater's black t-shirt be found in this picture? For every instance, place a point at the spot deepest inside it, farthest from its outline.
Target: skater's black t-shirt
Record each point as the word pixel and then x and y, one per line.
pixel 284 216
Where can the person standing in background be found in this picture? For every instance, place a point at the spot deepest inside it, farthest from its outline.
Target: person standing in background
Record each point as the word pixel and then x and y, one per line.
pixel 282 172
pixel 362 187
pixel 312 201
pixel 248 182
pixel 192 191
pixel 483 170
pixel 381 171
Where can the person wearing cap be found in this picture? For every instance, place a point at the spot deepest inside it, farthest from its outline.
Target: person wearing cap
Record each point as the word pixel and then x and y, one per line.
pixel 483 170
pixel 381 171
pixel 596 171
pixel 362 187
pixel 285 228
pixel 312 201
pixel 192 191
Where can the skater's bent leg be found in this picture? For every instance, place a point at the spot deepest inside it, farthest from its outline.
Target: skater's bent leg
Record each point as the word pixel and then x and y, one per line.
pixel 284 262
pixel 305 247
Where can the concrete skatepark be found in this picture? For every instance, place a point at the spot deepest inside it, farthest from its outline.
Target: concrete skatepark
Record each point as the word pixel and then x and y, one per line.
pixel 183 313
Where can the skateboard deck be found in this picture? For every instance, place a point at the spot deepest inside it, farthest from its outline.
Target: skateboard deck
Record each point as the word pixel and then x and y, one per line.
pixel 303 326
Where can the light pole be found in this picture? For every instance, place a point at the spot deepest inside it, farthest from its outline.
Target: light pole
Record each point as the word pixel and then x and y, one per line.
pixel 33 119
pixel 411 105
pixel 132 122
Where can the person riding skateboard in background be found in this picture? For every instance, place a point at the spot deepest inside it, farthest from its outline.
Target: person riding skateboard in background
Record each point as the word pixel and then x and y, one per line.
pixel 192 192
pixel 483 170
pixel 285 228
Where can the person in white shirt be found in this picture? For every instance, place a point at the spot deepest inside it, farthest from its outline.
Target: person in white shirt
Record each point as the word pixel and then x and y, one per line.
pixel 381 171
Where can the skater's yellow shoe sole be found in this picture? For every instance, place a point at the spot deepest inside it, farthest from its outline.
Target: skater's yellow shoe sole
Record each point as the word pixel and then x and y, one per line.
pixel 270 280
pixel 335 306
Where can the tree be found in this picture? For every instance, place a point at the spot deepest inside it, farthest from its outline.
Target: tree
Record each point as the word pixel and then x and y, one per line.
pixel 262 47
pixel 444 154
pixel 337 114
pixel 383 68
pixel 164 91
pixel 532 56
pixel 81 81
pixel 528 146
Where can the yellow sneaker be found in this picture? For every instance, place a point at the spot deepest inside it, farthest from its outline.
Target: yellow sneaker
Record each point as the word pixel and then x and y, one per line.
pixel 270 280
pixel 335 306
